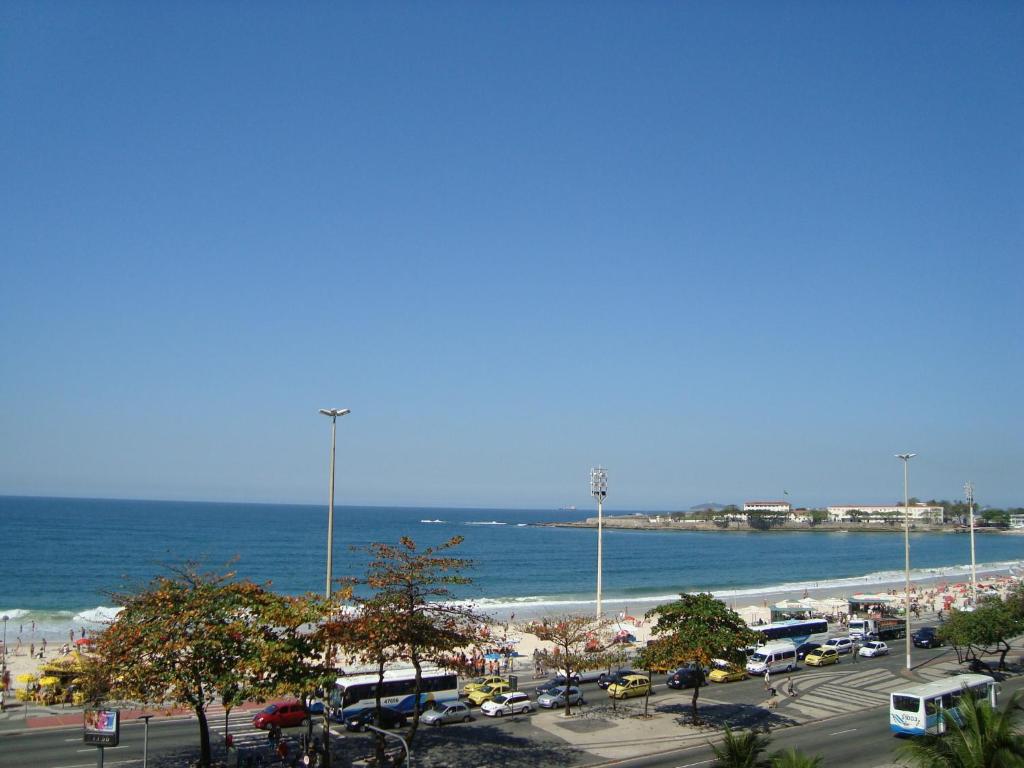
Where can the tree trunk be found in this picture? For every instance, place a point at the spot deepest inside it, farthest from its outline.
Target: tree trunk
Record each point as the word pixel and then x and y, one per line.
pixel 204 736
pixel 568 682
pixel 696 694
pixel 381 746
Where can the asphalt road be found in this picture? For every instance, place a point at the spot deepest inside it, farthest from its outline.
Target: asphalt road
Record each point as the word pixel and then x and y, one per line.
pixel 858 739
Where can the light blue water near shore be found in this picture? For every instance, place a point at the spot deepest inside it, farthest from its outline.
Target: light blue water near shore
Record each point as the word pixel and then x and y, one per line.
pixel 61 558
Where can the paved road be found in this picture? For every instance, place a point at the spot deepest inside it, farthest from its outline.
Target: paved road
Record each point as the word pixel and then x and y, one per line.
pixel 853 692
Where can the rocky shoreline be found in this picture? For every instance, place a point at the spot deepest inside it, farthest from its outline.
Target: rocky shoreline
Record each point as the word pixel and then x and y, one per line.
pixel 635 523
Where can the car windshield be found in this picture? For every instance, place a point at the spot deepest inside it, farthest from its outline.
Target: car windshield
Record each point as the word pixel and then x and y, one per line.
pixel 557 691
pixel 270 710
pixel 758 657
pixel 488 688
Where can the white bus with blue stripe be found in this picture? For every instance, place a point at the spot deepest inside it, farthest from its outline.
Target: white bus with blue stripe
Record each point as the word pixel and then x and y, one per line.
pixel 797 631
pixel 354 693
pixel 918 710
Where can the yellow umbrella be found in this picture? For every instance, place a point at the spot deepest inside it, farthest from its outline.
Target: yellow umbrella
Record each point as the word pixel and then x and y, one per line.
pixel 26 677
pixel 49 680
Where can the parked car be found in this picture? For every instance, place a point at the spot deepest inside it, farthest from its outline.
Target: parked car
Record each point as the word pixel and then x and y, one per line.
pixel 874 648
pixel 558 697
pixel 389 718
pixel 822 657
pixel 804 648
pixel 555 682
pixel 723 671
pixel 479 682
pixel 631 686
pixel 489 692
pixel 507 704
pixel 686 677
pixel 446 712
pixel 283 714
pixel 842 645
pixel 926 637
pixel 607 678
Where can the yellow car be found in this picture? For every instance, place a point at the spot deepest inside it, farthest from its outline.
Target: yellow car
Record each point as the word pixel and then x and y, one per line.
pixel 488 692
pixel 631 685
pixel 479 682
pixel 723 671
pixel 821 657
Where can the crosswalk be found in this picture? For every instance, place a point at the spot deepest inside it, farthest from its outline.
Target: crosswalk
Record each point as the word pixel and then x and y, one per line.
pixel 837 693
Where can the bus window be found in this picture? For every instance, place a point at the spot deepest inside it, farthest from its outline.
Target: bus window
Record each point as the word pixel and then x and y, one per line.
pixel 906 703
pixel 931 706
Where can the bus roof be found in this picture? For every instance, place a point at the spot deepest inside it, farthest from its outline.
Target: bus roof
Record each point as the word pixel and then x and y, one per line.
pixel 406 673
pixel 945 685
pixel 789 623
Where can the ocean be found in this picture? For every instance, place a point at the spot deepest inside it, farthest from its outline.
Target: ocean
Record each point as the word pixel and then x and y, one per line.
pixel 62 559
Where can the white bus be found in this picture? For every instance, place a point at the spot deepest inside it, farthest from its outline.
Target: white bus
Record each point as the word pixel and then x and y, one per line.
pixel 354 693
pixel 918 710
pixel 797 631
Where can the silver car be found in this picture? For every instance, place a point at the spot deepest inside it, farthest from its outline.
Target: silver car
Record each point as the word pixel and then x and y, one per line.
pixel 556 697
pixel 446 712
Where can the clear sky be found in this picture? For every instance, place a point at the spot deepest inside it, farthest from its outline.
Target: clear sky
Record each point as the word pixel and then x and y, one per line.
pixel 725 249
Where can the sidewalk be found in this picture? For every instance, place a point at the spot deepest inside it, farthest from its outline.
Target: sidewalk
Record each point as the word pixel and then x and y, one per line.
pixel 21 716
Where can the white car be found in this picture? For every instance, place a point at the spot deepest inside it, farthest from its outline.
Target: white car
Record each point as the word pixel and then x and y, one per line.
pixel 874 648
pixel 556 697
pixel 841 644
pixel 507 704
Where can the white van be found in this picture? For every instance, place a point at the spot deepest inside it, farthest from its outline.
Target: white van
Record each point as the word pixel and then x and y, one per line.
pixel 774 657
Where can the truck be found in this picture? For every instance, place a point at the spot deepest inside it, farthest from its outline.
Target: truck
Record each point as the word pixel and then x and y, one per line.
pixel 886 628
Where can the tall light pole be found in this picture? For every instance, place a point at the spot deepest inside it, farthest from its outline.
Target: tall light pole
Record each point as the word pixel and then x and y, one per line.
pixel 599 489
pixel 3 674
pixel 969 492
pixel 905 458
pixel 333 413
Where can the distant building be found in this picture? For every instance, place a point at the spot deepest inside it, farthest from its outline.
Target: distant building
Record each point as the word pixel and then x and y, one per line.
pixel 867 513
pixel 800 516
pixel 1017 521
pixel 783 507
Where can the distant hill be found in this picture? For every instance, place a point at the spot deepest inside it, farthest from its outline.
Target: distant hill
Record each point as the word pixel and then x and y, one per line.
pixel 709 506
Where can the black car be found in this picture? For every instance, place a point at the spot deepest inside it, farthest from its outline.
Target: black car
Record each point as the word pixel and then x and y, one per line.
pixel 926 637
pixel 555 682
pixel 804 648
pixel 389 718
pixel 686 677
pixel 607 678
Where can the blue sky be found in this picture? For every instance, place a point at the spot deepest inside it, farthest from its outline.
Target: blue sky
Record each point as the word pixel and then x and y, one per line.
pixel 723 249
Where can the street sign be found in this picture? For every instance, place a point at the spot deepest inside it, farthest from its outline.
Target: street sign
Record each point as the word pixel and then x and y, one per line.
pixel 513 682
pixel 102 727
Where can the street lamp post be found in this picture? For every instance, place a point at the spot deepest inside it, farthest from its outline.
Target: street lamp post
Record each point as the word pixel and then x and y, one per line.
pixel 333 413
pixel 969 492
pixel 3 667
pixel 905 458
pixel 145 739
pixel 599 489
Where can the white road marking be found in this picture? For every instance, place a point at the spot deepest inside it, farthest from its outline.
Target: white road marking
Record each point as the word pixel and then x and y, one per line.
pixel 848 730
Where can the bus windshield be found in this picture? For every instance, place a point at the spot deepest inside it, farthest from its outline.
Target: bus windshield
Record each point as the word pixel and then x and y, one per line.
pixel 906 703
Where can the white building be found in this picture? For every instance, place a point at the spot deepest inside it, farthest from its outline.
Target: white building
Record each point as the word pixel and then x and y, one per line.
pixel 919 513
pixel 782 507
pixel 800 516
pixel 1017 521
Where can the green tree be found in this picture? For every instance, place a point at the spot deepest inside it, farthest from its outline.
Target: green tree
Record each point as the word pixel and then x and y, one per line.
pixel 577 645
pixel 988 629
pixel 696 628
pixel 980 737
pixel 406 611
pixel 741 750
pixel 794 758
pixel 189 636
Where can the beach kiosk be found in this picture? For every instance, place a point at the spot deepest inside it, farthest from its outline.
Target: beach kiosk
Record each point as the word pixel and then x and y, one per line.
pixel 874 606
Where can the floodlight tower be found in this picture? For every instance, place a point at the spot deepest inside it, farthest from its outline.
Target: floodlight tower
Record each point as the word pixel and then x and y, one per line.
pixel 333 413
pixel 905 458
pixel 599 489
pixel 969 493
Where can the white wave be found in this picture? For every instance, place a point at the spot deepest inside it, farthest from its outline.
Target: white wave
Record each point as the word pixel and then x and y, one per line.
pixel 521 525
pixel 487 522
pixel 15 613
pixel 433 521
pixel 100 615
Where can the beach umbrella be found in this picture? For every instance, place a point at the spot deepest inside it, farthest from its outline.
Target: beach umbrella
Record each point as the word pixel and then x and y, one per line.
pixel 84 641
pixel 492 656
pixel 49 680
pixel 26 677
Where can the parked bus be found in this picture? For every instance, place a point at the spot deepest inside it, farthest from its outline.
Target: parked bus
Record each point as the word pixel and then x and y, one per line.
pixel 918 710
pixel 797 631
pixel 354 693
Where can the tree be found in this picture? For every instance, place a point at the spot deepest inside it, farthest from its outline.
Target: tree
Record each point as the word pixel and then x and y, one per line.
pixel 743 750
pixel 794 758
pixel 576 645
pixel 696 628
pixel 977 737
pixel 191 635
pixel 987 629
pixel 405 611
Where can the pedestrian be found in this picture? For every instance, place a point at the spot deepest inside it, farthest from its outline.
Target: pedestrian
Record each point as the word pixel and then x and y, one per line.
pixel 71 636
pixel 790 689
pixel 767 679
pixel 856 651
pixel 32 650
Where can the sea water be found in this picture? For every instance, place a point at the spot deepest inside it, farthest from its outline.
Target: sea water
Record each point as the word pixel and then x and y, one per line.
pixel 63 561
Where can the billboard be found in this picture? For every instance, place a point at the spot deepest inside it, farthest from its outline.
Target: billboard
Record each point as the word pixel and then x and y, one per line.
pixel 102 727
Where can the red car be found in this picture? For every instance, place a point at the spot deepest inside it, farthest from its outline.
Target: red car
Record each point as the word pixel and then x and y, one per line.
pixel 283 714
